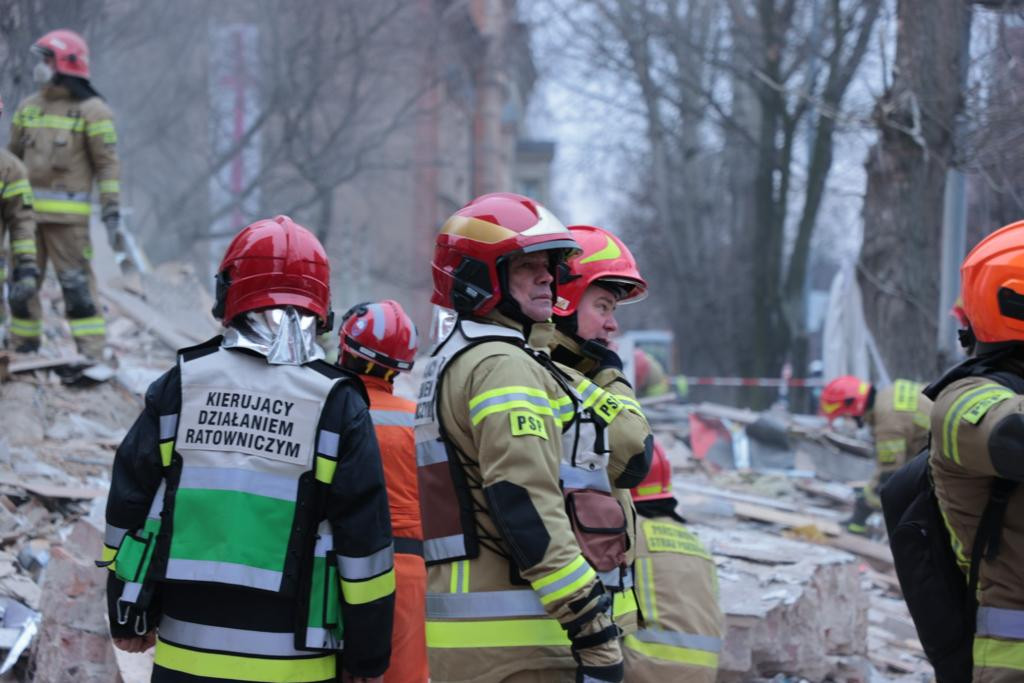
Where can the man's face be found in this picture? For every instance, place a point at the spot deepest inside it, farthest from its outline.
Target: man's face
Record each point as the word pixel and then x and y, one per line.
pixel 529 283
pixel 595 316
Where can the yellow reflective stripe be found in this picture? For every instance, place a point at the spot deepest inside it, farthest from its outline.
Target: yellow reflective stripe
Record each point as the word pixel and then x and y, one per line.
pixel 104 127
pixel 497 633
pixel 62 206
pixel 362 592
pixel 501 391
pixel 460 577
pixel 325 468
pixel 23 246
pixel 990 653
pixel 110 186
pixel 86 327
pixel 108 557
pixel 649 490
pixel 166 450
pixel 565 581
pixel 672 653
pixel 50 121
pixel 889 450
pixel 623 602
pixel 958 546
pixel 514 404
pixel 18 187
pixel 963 405
pixel 904 395
pixel 236 668
pixel 648 589
pixel 22 327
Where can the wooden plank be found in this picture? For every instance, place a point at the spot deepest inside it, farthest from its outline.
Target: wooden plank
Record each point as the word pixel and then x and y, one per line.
pixel 49 490
pixel 785 518
pixel 755 500
pixel 44 363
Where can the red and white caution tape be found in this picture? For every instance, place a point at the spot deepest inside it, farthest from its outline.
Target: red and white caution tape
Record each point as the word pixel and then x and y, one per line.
pixel 754 381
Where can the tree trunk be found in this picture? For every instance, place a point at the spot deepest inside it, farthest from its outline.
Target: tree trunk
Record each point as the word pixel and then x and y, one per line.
pixel 906 171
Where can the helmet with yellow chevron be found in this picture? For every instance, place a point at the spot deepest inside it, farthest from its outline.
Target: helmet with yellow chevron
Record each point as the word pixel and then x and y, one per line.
pixel 846 395
pixel 605 261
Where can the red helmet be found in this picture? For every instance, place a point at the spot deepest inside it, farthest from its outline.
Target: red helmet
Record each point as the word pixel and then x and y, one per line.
pixel 381 333
pixel 274 263
pixel 604 259
pixel 846 395
pixel 69 51
pixel 992 285
pixel 657 485
pixel 478 237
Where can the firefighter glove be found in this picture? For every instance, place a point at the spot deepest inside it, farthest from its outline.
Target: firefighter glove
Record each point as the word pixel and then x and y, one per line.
pixel 115 235
pixel 595 647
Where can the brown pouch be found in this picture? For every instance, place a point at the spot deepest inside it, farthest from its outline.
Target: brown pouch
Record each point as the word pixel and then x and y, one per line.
pixel 599 523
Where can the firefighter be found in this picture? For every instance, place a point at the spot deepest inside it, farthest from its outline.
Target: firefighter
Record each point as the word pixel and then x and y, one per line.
pixel 977 426
pixel 592 285
pixel 17 220
pixel 898 418
pixel 677 586
pixel 377 341
pixel 65 135
pixel 510 595
pixel 651 379
pixel 247 522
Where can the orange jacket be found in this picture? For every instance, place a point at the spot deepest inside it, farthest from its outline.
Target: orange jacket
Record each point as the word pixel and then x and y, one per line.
pixel 392 419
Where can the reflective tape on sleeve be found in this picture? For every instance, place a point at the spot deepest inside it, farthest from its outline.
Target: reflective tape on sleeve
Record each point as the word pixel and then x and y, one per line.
pixel 168 426
pixel 362 592
pixel 358 568
pixel 509 398
pixel 569 579
pixel 327 443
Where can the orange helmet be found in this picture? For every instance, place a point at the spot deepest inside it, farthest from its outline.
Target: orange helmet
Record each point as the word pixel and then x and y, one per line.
pixel 69 52
pixel 274 263
pixel 476 241
pixel 604 259
pixel 657 485
pixel 846 395
pixel 992 285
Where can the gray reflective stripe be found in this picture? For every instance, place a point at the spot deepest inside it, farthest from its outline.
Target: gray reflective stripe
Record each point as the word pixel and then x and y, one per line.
pixel 236 640
pixel 223 572
pixel 392 418
pixel 245 481
pixel 579 478
pixel 612 578
pixel 157 506
pixel 588 392
pixel 565 580
pixel 691 641
pixel 484 605
pixel 444 548
pixel 1001 622
pixel 646 592
pixel 323 639
pixel 57 194
pixel 130 592
pixel 168 426
pixel 358 568
pixel 505 398
pixel 112 536
pixel 327 443
pixel 430 453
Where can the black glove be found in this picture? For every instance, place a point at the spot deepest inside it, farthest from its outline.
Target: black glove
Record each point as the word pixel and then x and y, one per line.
pixel 24 285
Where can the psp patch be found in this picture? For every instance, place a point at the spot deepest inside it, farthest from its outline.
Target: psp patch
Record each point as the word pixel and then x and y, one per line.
pixel 527 424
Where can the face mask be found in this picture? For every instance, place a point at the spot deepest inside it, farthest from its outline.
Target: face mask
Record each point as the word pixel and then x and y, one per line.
pixel 42 73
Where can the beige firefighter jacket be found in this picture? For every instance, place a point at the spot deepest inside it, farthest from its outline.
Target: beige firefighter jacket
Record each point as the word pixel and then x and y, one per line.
pixel 677 587
pixel 513 452
pixel 899 424
pixel 66 144
pixel 977 434
pixel 16 218
pixel 627 438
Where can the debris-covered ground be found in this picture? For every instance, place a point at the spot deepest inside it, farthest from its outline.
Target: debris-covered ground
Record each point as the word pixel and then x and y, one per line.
pixel 766 492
